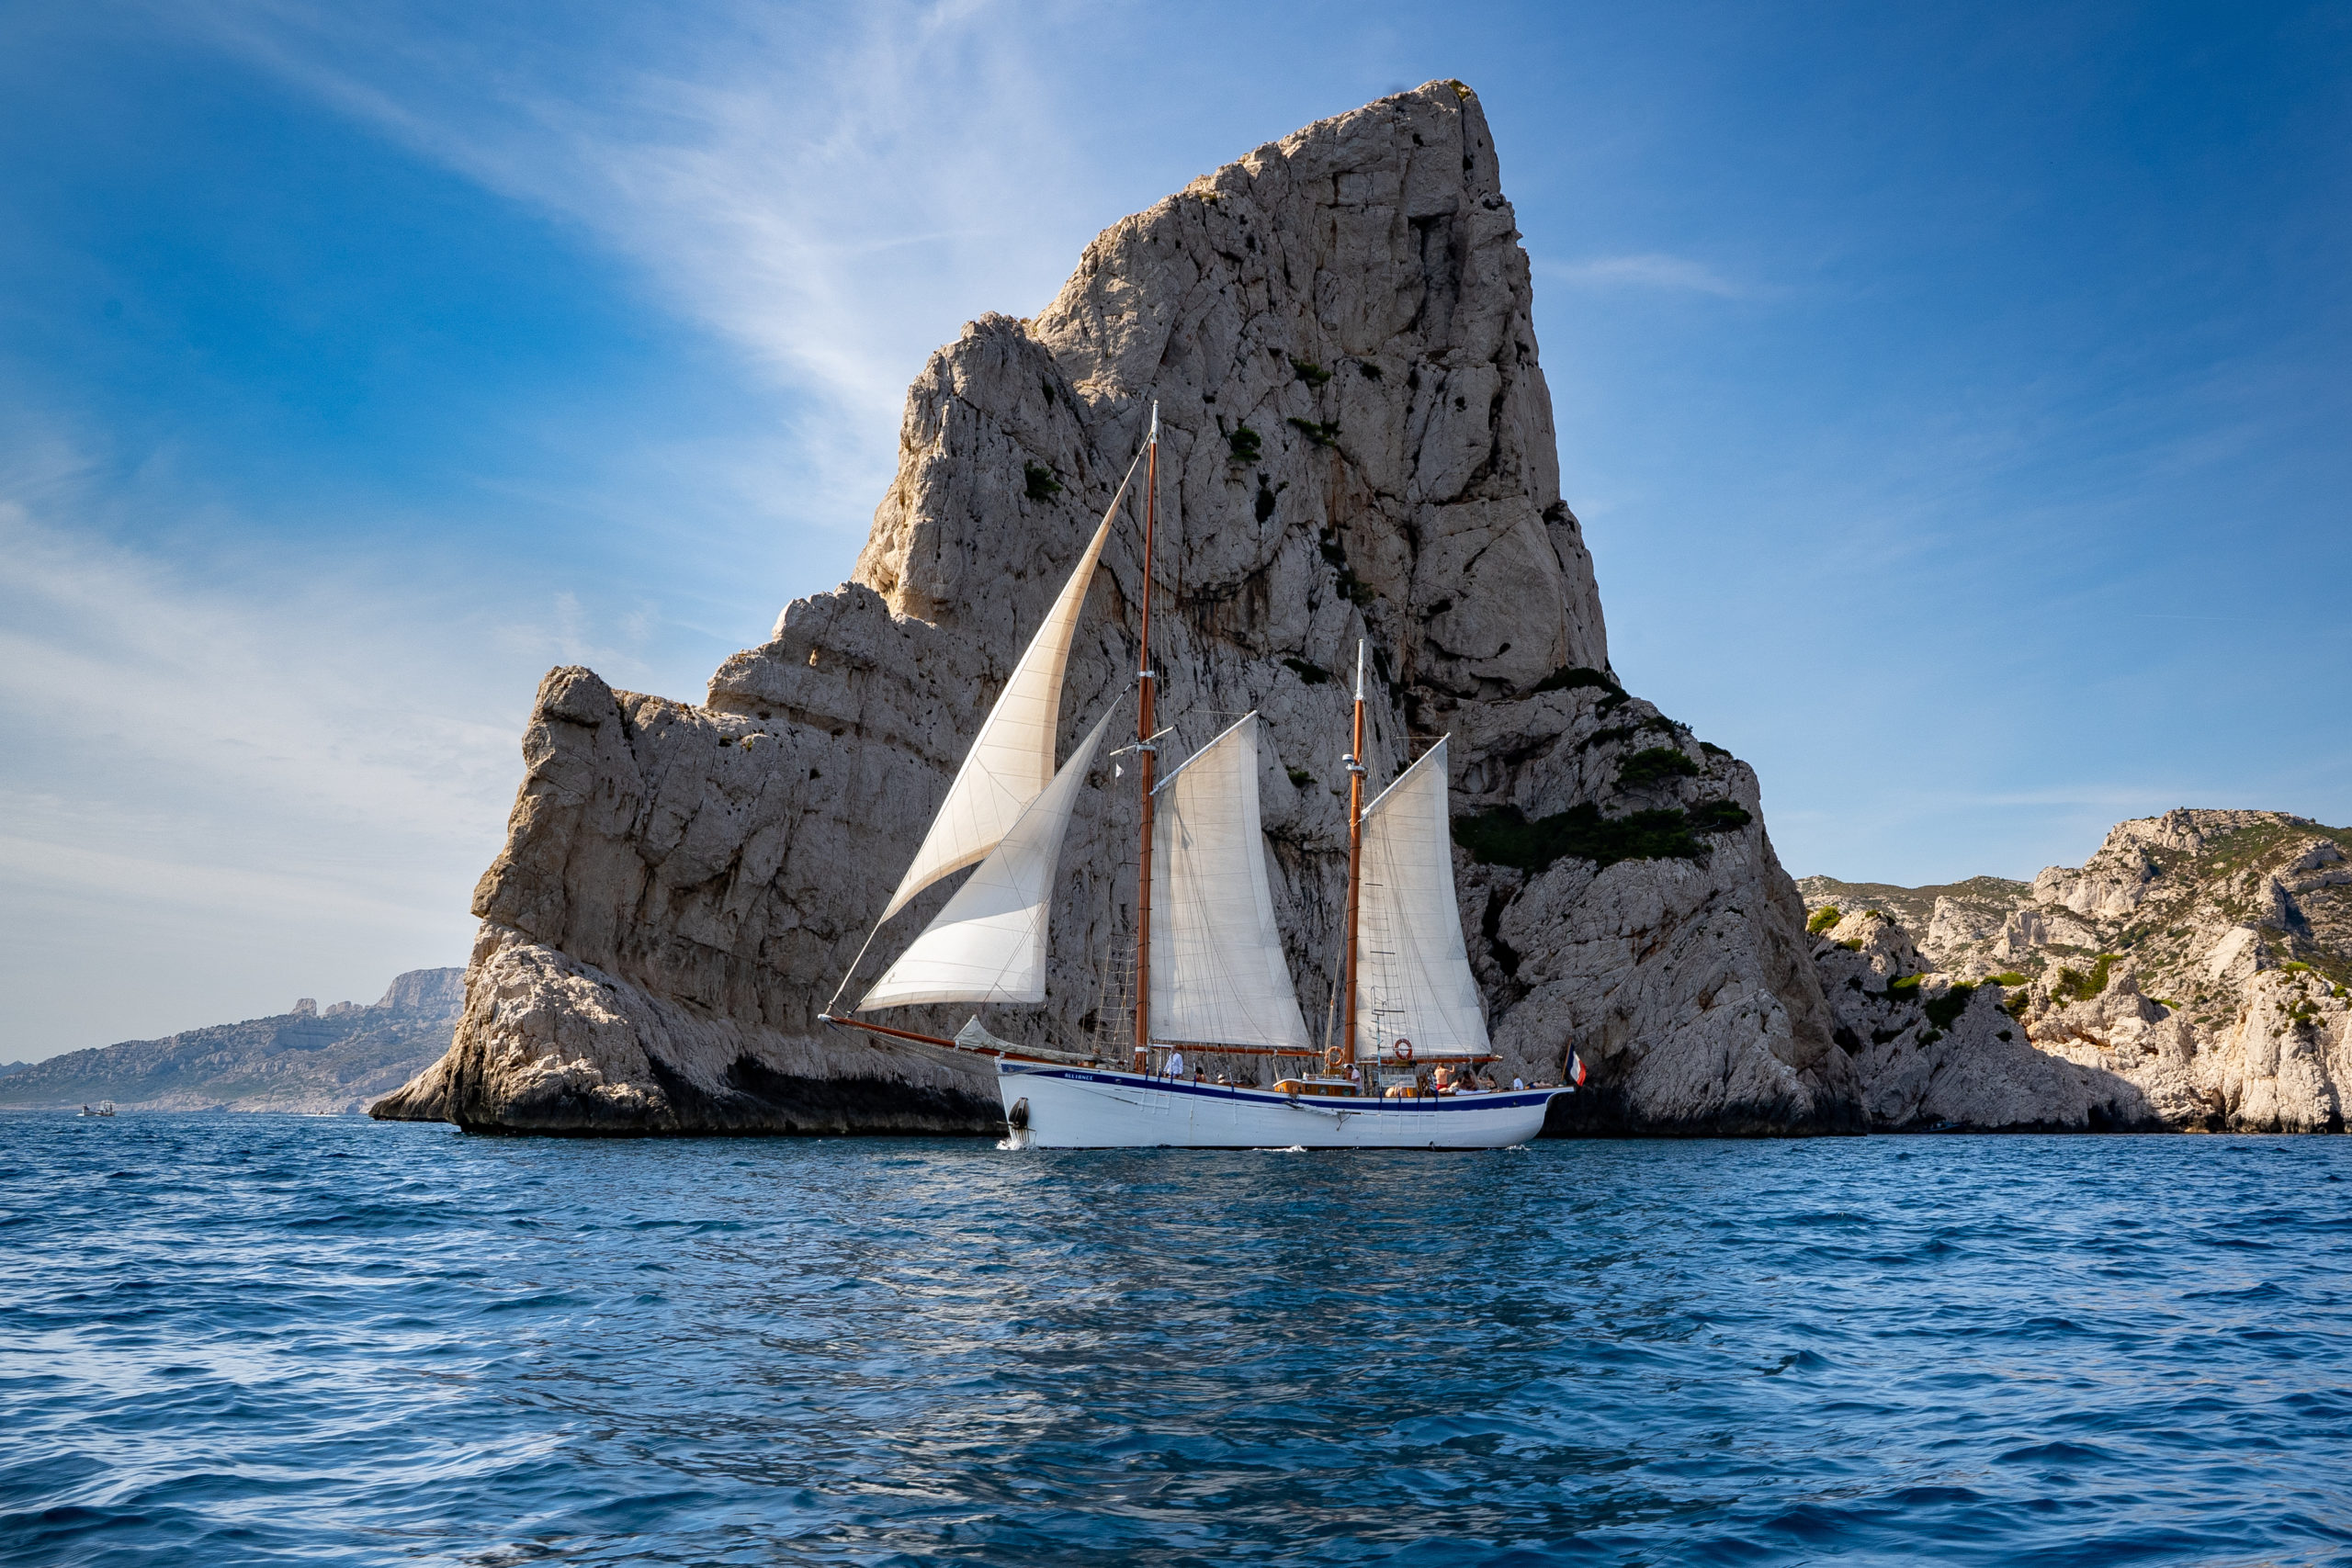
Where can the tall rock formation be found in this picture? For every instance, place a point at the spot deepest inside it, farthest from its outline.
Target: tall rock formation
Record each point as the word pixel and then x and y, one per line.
pixel 2194 975
pixel 1357 443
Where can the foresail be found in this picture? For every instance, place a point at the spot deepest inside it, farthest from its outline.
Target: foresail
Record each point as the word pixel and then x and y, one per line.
pixel 1012 759
pixel 1413 979
pixel 1218 971
pixel 989 943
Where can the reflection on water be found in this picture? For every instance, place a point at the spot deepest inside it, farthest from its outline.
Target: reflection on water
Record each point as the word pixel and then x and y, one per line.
pixel 250 1339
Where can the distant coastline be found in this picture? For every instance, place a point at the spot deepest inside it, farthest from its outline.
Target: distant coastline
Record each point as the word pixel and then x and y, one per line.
pixel 305 1060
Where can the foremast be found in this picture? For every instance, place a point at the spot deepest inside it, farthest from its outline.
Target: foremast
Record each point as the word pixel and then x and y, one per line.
pixel 1146 751
pixel 1355 870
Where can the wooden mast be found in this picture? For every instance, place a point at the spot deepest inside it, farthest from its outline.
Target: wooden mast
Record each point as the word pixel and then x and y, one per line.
pixel 1146 753
pixel 1355 868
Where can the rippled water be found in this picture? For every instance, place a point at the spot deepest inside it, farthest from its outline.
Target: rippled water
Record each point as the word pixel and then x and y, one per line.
pixel 250 1339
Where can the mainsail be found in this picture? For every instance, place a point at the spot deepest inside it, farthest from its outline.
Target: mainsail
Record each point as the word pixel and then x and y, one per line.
pixel 989 943
pixel 1012 761
pixel 1217 971
pixel 1413 979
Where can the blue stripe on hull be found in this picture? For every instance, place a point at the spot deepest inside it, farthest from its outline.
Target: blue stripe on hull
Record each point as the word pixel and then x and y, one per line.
pixel 1480 1101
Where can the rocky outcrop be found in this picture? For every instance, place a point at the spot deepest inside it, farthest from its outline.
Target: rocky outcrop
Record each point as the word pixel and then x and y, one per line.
pixel 318 1062
pixel 1357 443
pixel 2195 974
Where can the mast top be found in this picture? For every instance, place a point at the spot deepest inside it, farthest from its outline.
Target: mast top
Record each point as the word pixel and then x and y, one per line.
pixel 1359 669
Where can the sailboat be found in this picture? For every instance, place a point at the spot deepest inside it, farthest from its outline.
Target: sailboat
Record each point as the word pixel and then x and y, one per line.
pixel 1210 972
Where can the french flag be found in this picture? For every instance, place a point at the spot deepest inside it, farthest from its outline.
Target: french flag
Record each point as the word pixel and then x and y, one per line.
pixel 1576 1069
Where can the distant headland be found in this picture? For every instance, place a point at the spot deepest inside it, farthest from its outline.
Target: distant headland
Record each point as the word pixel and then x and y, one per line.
pixel 306 1059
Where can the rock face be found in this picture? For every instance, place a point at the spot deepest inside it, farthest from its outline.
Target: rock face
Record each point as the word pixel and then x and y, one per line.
pixel 1357 443
pixel 309 1060
pixel 2195 974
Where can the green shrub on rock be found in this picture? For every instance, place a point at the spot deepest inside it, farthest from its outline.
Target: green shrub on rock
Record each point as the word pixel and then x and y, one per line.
pixel 1505 837
pixel 2074 986
pixel 1719 815
pixel 1943 1010
pixel 1569 677
pixel 1652 766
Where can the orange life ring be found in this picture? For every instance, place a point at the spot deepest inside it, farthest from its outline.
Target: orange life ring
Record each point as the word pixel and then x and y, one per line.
pixel 1402 1050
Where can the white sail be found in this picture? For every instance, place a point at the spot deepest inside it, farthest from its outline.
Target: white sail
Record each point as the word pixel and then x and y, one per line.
pixel 1012 759
pixel 1413 979
pixel 1217 971
pixel 989 943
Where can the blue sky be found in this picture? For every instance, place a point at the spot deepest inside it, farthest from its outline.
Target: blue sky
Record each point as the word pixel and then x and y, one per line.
pixel 1957 400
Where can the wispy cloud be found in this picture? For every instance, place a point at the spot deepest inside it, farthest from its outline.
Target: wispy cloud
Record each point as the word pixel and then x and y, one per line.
pixel 1652 270
pixel 834 192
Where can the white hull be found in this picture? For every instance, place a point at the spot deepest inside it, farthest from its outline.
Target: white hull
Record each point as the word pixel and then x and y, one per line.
pixel 1095 1108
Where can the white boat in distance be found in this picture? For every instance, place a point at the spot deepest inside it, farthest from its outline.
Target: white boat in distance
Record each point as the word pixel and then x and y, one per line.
pixel 1211 975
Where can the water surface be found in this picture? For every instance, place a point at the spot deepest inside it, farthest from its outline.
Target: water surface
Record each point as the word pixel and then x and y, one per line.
pixel 253 1339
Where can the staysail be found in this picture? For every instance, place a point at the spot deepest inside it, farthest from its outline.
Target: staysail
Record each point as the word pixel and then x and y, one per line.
pixel 989 943
pixel 1218 976
pixel 1413 979
pixel 1011 760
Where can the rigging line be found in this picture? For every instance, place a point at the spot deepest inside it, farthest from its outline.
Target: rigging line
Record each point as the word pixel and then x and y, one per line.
pixel 851 973
pixel 1125 480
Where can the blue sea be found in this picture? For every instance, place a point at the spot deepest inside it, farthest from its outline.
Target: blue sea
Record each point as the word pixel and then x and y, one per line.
pixel 258 1339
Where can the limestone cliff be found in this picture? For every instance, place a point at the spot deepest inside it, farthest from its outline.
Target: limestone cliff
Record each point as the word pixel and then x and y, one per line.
pixel 2196 972
pixel 1358 441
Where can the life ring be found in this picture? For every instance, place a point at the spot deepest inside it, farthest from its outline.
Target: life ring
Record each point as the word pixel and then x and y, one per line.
pixel 1402 1050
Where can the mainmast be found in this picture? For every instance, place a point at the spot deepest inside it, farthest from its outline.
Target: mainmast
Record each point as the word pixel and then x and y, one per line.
pixel 1355 862
pixel 1146 752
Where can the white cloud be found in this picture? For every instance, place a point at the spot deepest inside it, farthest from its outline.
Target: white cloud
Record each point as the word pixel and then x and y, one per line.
pixel 1652 270
pixel 835 191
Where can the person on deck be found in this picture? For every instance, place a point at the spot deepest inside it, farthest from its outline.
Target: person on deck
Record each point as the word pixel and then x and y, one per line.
pixel 1175 1065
